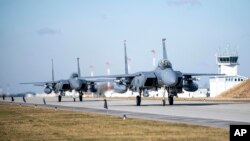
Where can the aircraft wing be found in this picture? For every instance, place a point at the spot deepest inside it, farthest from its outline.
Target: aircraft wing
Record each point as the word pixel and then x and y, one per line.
pixel 18 94
pixel 188 76
pixel 41 83
pixel 111 76
pixel 99 80
pixel 202 74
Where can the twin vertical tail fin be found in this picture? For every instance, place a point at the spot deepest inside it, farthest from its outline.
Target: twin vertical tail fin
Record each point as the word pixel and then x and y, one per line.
pixel 164 49
pixel 53 77
pixel 126 58
pixel 78 67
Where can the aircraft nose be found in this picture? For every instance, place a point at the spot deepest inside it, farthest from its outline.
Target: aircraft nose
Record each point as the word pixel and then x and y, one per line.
pixel 77 84
pixel 169 77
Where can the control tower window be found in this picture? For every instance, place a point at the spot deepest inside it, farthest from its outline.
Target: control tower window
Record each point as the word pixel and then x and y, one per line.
pixel 228 59
pixel 224 59
pixel 233 59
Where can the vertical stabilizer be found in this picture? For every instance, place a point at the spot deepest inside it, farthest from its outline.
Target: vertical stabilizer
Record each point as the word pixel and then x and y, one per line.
pixel 126 58
pixel 164 49
pixel 78 67
pixel 53 78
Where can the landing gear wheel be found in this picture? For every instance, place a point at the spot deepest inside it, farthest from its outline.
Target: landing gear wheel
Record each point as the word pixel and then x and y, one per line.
pixel 59 98
pixel 163 102
pixel 138 100
pixel 171 100
pixel 80 97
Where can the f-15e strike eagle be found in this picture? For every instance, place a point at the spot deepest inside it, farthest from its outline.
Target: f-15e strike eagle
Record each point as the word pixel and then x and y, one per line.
pixel 76 83
pixel 163 76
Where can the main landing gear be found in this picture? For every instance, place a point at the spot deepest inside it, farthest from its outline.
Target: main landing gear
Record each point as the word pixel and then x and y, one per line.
pixel 138 100
pixel 171 94
pixel 60 96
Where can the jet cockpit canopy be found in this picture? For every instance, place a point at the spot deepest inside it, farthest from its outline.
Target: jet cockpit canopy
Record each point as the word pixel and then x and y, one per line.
pixel 74 75
pixel 164 63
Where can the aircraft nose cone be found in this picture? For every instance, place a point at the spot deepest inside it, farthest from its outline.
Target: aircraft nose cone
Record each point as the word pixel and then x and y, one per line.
pixel 76 84
pixel 169 78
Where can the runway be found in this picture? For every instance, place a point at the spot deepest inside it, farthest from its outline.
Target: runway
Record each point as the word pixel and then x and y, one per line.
pixel 206 113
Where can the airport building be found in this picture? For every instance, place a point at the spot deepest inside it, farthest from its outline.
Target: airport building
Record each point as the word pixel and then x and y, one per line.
pixel 227 62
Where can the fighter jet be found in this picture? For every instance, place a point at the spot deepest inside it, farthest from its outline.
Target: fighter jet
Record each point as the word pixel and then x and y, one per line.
pixel 73 83
pixel 163 76
pixel 13 95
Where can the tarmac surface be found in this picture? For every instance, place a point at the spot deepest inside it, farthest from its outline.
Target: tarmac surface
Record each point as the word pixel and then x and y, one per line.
pixel 206 113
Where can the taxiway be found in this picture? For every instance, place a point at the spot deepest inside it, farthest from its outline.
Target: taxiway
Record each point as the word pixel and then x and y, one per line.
pixel 206 113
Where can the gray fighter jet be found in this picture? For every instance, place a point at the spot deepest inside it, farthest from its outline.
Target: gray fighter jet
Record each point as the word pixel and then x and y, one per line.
pixel 163 76
pixel 12 95
pixel 73 83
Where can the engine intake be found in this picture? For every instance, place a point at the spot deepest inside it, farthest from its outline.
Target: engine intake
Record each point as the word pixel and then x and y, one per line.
pixel 63 85
pixel 92 88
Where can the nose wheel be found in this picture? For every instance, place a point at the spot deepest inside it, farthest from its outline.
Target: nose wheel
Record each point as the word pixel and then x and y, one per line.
pixel 171 94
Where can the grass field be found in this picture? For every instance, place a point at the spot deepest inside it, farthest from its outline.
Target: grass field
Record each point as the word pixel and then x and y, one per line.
pixel 18 122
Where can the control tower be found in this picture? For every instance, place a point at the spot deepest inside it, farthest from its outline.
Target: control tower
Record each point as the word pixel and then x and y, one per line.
pixel 227 62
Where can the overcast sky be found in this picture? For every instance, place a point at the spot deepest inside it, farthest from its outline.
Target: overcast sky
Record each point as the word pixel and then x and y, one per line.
pixel 32 32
